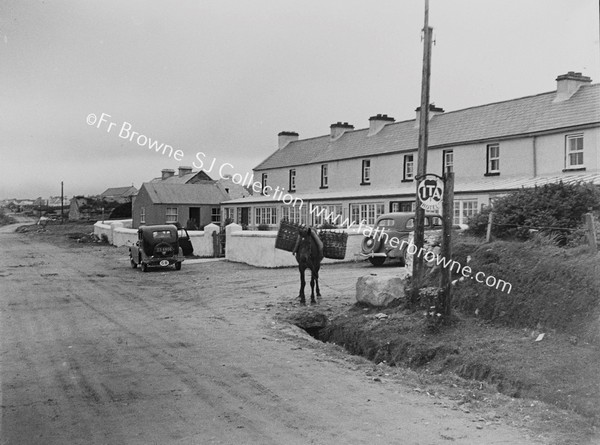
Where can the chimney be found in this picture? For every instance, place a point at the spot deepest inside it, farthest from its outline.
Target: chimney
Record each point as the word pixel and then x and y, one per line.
pixel 433 111
pixel 285 137
pixel 339 128
pixel 184 170
pixel 568 84
pixel 167 173
pixel 376 123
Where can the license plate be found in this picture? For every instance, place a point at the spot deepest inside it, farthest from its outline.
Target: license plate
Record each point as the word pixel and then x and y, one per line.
pixel 164 263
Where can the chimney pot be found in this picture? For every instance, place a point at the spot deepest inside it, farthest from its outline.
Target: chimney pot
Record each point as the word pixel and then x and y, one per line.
pixel 285 137
pixel 376 123
pixel 568 84
pixel 339 128
pixel 167 173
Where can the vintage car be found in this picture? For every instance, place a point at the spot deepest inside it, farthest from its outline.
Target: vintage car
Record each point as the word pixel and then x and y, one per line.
pixel 157 246
pixel 393 226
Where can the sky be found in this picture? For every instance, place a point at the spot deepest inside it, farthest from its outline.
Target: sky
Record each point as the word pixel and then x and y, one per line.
pixel 224 77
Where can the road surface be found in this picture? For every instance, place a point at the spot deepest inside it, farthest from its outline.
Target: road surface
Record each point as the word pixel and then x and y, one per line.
pixel 94 352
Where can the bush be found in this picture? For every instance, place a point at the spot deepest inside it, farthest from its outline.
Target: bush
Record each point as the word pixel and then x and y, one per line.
pixel 5 220
pixel 263 227
pixel 552 209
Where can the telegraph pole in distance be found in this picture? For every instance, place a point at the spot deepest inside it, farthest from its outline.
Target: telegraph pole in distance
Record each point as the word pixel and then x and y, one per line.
pixel 422 156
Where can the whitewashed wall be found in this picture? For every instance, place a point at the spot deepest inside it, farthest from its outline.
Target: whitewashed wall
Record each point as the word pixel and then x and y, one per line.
pixel 120 233
pixel 257 248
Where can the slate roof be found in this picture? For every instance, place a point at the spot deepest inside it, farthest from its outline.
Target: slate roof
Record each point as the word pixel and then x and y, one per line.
pixel 209 193
pixel 512 118
pixel 119 191
pixel 190 177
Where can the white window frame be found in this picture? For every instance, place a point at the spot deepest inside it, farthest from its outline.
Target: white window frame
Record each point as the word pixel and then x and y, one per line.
pixel 292 213
pixel 465 208
pixel 493 159
pixel 324 212
pixel 292 184
pixel 143 215
pixel 366 171
pixel 448 161
pixel 409 167
pixel 368 212
pixel 215 217
pixel 324 175
pixel 263 181
pixel 573 151
pixel 171 215
pixel 265 215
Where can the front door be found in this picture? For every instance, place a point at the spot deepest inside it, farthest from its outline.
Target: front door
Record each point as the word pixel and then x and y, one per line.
pixel 245 216
pixel 194 219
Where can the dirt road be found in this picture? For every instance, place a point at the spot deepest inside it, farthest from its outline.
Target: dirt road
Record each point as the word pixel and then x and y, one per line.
pixel 94 352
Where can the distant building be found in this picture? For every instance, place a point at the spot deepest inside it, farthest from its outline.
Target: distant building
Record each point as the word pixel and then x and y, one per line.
pixel 191 205
pixel 356 175
pixel 119 194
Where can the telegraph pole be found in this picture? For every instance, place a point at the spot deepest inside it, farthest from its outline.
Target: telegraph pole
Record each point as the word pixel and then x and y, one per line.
pixel 422 155
pixel 62 201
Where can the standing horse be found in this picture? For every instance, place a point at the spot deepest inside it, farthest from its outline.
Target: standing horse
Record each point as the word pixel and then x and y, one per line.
pixel 309 253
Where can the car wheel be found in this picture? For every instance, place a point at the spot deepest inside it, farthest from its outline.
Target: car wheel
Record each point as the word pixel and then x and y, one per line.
pixel 370 244
pixel 377 260
pixel 178 265
pixel 144 267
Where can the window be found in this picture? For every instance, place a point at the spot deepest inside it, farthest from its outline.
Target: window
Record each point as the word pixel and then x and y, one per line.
pixel 574 155
pixel 464 209
pixel 266 215
pixel 409 168
pixel 292 182
pixel 143 215
pixel 402 206
pixel 229 214
pixel 327 213
pixel 263 182
pixel 447 161
pixel 215 215
pixel 493 159
pixel 324 176
pixel 292 214
pixel 366 172
pixel 367 213
pixel 171 216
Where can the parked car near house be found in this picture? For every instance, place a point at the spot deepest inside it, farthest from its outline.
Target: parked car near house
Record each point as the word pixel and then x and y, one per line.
pixel 390 227
pixel 157 246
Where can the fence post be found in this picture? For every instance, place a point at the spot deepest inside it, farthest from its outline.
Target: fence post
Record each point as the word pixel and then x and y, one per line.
pixel 591 232
pixel 488 235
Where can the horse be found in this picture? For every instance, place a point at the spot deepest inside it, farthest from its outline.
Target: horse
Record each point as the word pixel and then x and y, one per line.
pixel 309 254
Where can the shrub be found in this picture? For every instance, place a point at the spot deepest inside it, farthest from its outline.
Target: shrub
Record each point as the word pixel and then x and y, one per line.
pixel 552 209
pixel 263 227
pixel 328 225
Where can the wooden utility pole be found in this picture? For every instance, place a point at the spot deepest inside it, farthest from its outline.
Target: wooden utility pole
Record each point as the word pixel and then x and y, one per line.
pixel 422 155
pixel 62 200
pixel 448 219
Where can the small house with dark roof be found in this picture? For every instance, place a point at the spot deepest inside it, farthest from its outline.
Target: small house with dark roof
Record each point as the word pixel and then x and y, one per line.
pixel 354 175
pixel 191 205
pixel 119 194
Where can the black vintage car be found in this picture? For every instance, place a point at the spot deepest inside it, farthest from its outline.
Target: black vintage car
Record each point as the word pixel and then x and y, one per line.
pixel 157 246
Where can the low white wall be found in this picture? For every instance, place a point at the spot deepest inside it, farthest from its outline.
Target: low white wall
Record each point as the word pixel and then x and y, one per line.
pixel 257 248
pixel 120 233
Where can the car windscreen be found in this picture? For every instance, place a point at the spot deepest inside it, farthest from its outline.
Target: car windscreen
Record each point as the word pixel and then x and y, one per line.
pixel 386 222
pixel 163 235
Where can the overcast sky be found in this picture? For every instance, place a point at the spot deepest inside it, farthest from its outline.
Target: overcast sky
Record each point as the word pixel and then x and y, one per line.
pixel 224 77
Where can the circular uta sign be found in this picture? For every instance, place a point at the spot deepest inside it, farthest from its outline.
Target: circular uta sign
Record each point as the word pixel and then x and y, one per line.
pixel 430 192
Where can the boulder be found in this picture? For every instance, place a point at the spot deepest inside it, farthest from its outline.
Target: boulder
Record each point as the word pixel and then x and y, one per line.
pixel 380 291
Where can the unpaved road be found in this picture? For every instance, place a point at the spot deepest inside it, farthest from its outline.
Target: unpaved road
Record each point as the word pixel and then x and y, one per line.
pixel 94 352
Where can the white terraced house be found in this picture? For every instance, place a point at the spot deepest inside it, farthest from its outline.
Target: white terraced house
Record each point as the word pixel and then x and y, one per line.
pixel 359 174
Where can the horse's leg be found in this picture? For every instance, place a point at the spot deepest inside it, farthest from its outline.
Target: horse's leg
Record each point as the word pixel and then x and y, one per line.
pixel 302 284
pixel 312 287
pixel 316 274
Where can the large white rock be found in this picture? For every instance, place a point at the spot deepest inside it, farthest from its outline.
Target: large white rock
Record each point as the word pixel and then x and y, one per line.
pixel 380 291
